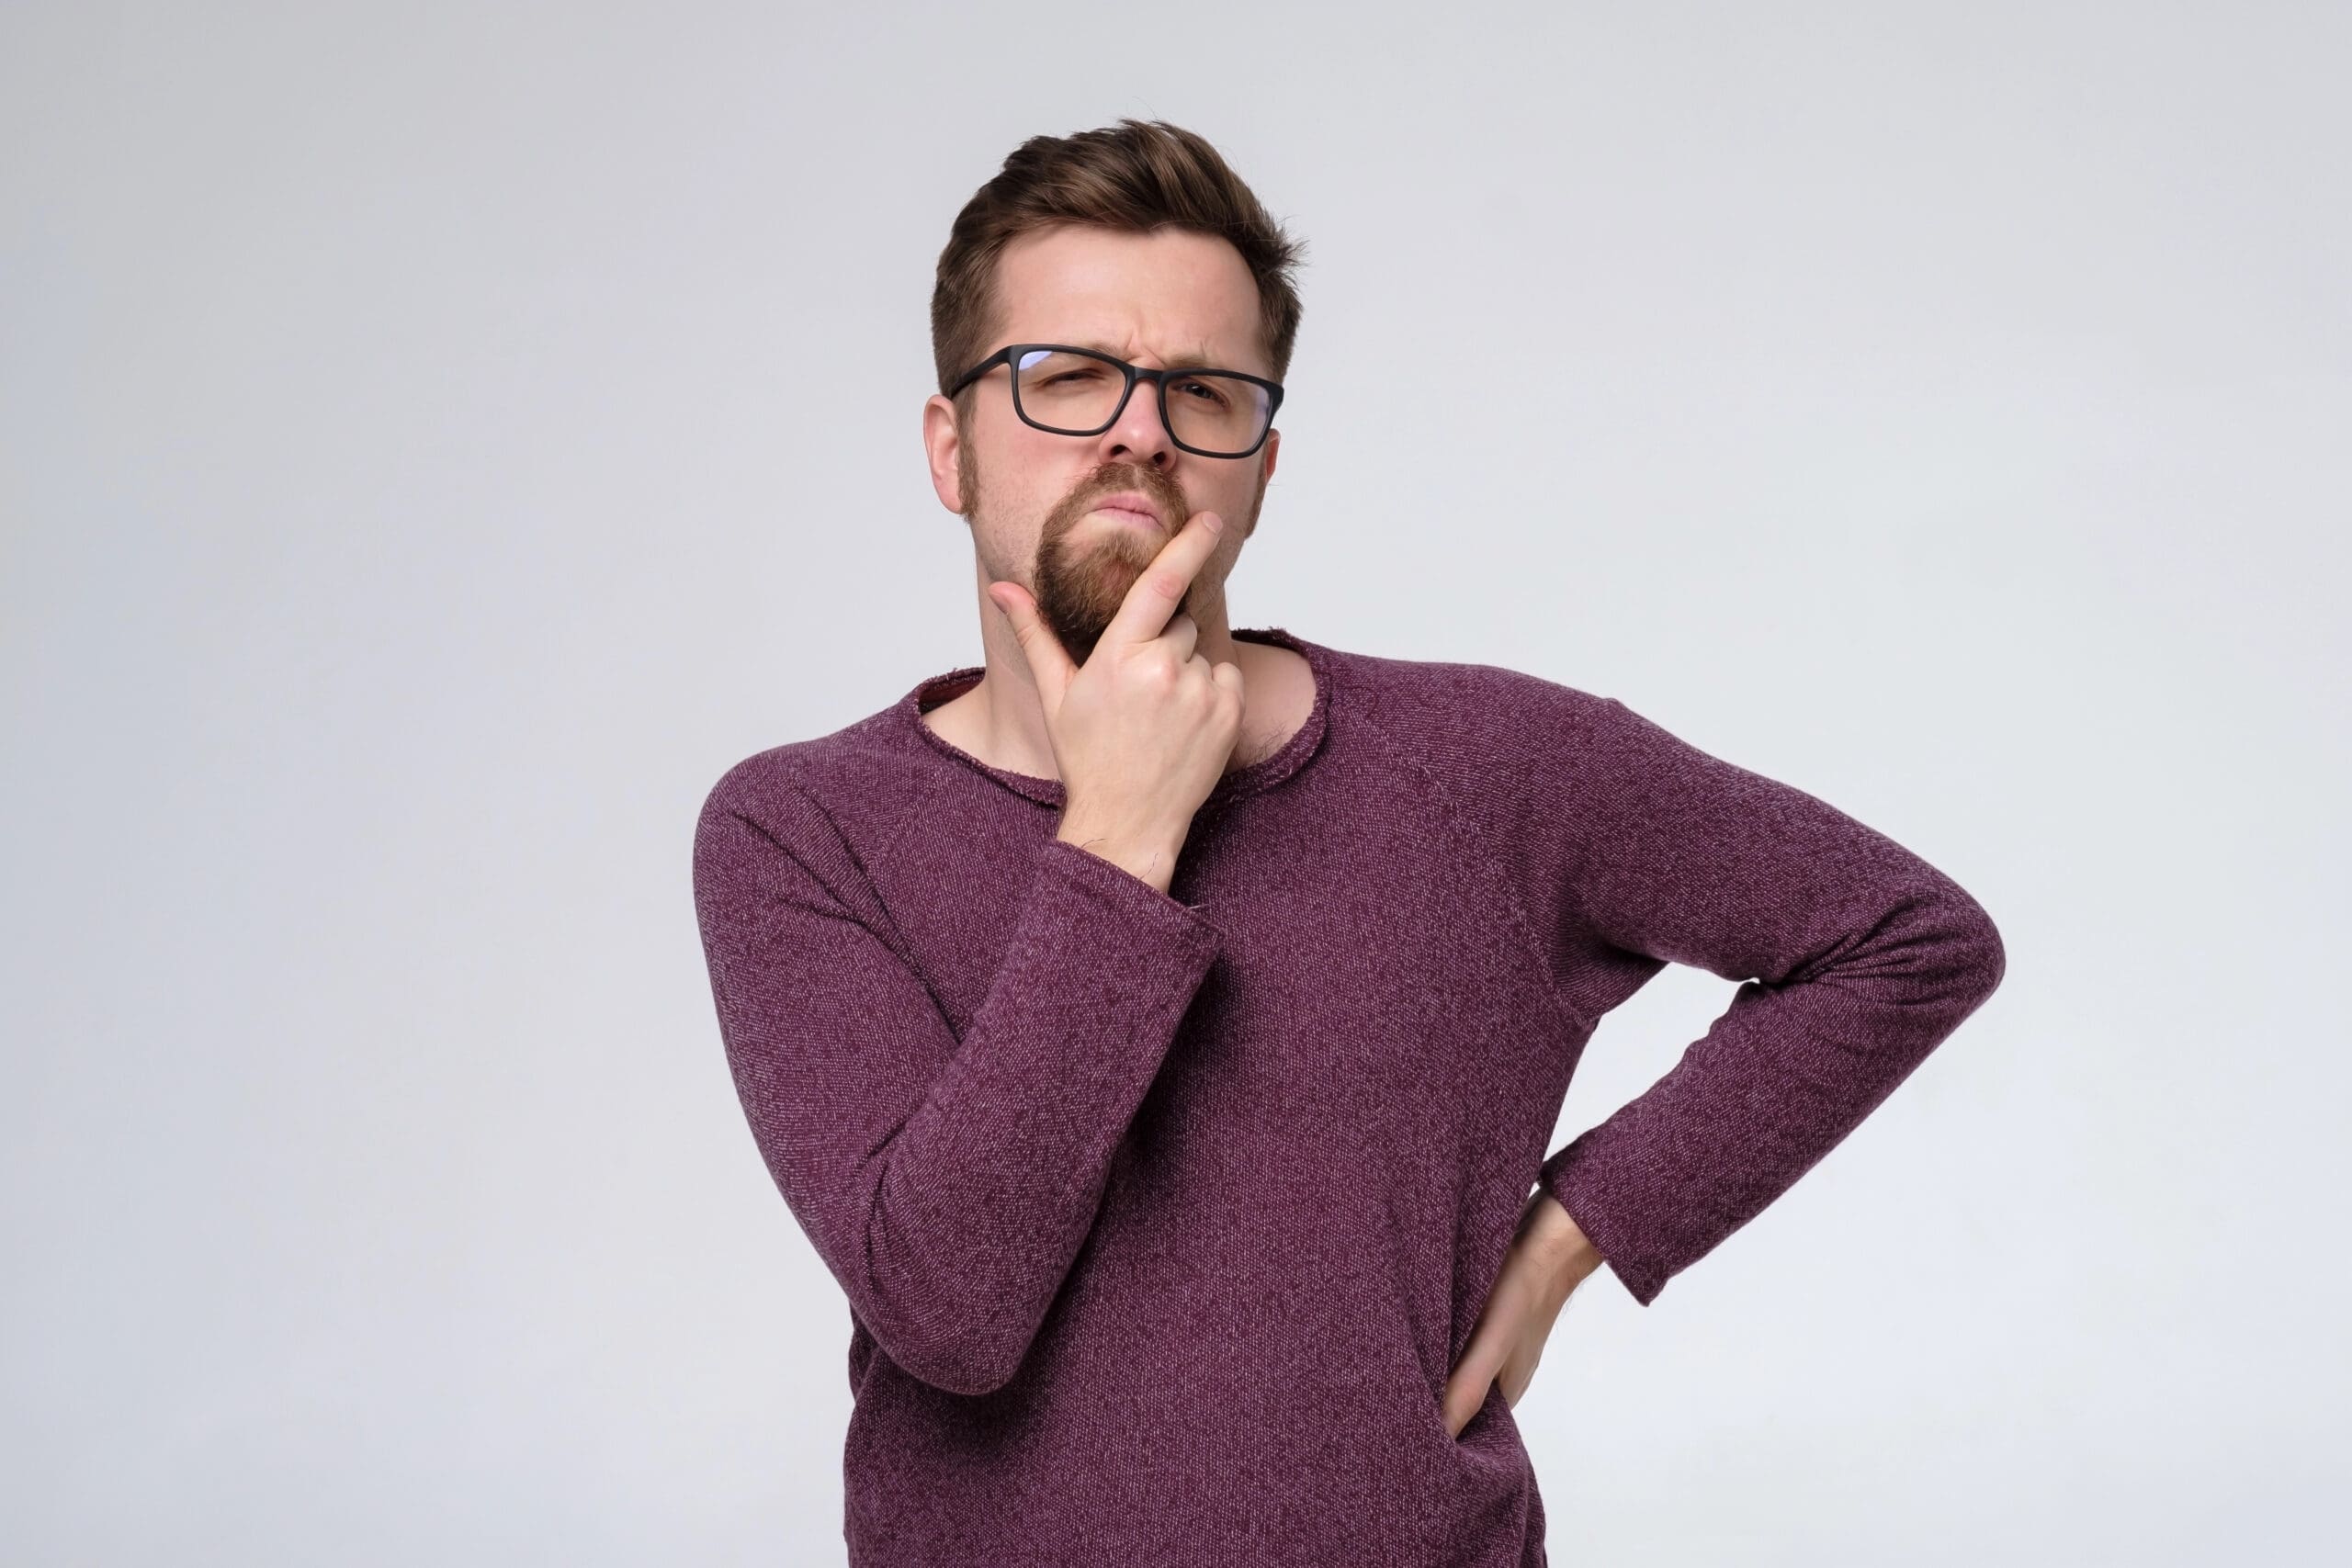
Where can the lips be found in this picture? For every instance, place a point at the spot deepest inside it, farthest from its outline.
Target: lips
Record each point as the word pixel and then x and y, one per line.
pixel 1130 505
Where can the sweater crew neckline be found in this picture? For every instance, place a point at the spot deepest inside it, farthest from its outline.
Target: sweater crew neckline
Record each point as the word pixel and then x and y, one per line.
pixel 1256 778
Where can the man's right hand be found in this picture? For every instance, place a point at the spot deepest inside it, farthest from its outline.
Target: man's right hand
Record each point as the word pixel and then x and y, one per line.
pixel 1143 730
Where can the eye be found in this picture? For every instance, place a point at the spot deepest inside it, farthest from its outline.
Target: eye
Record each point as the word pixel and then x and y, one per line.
pixel 1206 390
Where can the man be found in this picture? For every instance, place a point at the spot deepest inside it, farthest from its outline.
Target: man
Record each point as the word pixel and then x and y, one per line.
pixel 1157 1029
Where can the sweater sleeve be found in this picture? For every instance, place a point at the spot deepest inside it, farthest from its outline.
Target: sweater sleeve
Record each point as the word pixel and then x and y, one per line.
pixel 947 1180
pixel 1856 958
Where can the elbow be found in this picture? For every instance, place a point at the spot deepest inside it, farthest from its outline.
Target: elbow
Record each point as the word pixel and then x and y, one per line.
pixel 948 1321
pixel 1932 957
pixel 1979 959
pixel 1956 960
pixel 963 1355
pixel 951 1301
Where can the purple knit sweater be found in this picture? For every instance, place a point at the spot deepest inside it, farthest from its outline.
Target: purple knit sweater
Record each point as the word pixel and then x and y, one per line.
pixel 1162 1218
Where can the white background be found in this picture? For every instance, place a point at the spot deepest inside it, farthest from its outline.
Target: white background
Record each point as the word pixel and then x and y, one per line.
pixel 436 441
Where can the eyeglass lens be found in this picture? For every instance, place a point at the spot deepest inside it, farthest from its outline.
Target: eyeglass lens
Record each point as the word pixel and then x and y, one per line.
pixel 1074 394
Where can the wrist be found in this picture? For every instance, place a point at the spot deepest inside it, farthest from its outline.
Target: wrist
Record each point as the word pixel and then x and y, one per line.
pixel 1148 861
pixel 1550 1230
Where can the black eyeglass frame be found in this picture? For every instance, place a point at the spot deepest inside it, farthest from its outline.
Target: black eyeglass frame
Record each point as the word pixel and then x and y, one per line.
pixel 1133 373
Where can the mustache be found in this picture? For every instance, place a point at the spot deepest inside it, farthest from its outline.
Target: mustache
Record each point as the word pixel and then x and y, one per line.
pixel 1112 478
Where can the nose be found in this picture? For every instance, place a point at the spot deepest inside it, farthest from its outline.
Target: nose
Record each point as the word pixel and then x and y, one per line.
pixel 1138 435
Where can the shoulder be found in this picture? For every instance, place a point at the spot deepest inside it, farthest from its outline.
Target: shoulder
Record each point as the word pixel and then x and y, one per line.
pixel 832 787
pixel 1464 714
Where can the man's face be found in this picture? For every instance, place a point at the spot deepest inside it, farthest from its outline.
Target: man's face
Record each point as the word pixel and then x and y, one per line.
pixel 1035 499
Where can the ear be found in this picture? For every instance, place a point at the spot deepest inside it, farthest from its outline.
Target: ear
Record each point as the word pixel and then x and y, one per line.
pixel 942 446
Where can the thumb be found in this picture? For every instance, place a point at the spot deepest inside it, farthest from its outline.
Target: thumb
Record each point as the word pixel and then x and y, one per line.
pixel 1049 662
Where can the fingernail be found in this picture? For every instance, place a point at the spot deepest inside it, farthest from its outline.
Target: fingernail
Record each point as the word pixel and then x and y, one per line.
pixel 1215 525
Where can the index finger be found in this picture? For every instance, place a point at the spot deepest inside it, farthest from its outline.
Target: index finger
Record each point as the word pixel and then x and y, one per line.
pixel 1142 614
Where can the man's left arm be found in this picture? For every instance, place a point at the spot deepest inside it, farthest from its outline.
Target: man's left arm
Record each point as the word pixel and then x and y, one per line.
pixel 1856 959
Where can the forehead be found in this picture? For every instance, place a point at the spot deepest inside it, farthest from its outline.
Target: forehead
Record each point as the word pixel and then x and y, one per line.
pixel 1168 295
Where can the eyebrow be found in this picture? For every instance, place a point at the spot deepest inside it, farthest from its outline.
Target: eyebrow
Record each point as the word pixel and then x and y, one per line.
pixel 1197 359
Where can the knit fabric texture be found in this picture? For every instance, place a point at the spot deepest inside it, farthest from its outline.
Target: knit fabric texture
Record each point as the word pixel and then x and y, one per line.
pixel 1162 1218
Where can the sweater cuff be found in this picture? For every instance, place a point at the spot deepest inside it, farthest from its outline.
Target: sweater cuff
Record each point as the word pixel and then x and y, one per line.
pixel 1577 1176
pixel 1118 895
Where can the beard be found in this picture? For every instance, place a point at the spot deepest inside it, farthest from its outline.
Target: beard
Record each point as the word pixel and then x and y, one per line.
pixel 1082 572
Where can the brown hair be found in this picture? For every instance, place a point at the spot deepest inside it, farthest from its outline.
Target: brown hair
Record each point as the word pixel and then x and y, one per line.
pixel 1136 175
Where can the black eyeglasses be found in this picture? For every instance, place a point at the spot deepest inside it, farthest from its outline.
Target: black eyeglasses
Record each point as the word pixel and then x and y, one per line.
pixel 1076 391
